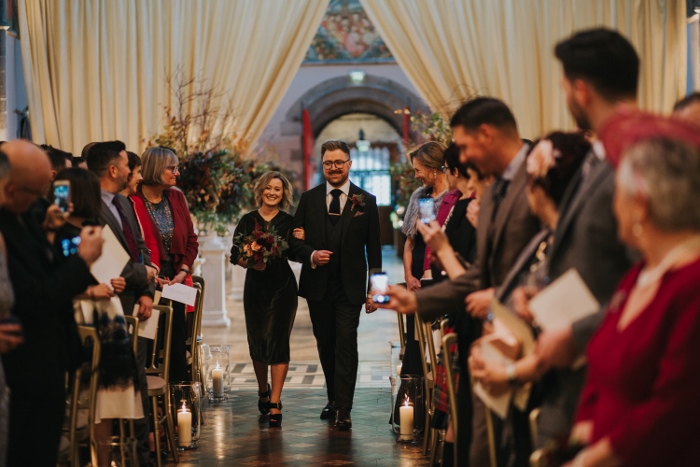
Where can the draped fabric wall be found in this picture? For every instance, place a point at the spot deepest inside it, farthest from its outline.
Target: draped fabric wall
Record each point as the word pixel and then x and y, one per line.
pixel 453 49
pixel 96 69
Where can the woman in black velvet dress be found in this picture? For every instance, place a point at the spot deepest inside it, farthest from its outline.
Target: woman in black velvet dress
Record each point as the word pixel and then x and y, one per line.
pixel 270 292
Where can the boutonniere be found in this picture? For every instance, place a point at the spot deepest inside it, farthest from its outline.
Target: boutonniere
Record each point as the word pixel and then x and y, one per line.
pixel 357 200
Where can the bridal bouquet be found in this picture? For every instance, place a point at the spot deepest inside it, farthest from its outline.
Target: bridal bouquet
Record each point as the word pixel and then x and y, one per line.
pixel 260 245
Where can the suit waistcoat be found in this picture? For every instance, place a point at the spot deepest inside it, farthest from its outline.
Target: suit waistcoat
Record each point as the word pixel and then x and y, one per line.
pixel 334 236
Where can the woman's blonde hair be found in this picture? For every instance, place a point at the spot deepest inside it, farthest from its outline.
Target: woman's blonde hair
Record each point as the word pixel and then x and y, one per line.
pixel 154 161
pixel 265 180
pixel 430 154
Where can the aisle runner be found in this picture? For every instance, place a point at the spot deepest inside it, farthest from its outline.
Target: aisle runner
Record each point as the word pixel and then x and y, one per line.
pixel 310 375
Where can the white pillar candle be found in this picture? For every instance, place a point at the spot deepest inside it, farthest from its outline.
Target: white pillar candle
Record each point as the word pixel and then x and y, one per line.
pixel 184 426
pixel 406 417
pixel 217 375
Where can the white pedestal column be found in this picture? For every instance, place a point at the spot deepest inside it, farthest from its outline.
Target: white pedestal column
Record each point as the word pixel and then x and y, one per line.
pixel 213 251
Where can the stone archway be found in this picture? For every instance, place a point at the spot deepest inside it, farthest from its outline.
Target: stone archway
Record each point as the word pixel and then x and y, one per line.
pixel 340 96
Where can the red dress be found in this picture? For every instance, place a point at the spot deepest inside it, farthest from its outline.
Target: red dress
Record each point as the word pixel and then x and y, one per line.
pixel 643 386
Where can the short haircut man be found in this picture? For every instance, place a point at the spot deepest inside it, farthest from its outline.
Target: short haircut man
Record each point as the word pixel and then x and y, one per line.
pixel 102 155
pixel 484 111
pixel 603 58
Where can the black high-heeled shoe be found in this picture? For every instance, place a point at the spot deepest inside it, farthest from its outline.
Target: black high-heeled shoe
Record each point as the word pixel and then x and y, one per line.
pixel 275 418
pixel 264 407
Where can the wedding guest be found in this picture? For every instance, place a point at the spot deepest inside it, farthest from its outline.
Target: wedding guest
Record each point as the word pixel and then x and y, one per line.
pixel 551 166
pixel 688 108
pixel 59 159
pixel 108 160
pixel 79 162
pixel 478 184
pixel 270 292
pixel 167 207
pixel 486 132
pixel 10 332
pixel 427 162
pixel 117 397
pixel 146 224
pixel 43 288
pixel 639 405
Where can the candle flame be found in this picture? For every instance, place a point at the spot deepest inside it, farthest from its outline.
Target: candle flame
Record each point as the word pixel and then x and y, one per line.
pixel 405 404
pixel 184 408
pixel 217 366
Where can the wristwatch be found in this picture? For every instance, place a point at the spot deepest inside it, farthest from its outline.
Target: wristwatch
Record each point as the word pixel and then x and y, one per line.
pixel 511 374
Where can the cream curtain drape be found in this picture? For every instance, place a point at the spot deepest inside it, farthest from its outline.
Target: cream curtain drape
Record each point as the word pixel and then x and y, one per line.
pixel 95 69
pixel 453 49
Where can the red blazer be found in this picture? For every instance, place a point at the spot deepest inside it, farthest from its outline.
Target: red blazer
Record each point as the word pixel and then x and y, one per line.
pixel 643 384
pixel 184 247
pixel 148 228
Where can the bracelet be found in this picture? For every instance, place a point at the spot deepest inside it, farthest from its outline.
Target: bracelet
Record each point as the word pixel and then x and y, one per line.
pixel 186 271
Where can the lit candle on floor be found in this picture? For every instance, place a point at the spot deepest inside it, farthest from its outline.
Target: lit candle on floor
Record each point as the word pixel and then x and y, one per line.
pixel 217 375
pixel 406 417
pixel 184 426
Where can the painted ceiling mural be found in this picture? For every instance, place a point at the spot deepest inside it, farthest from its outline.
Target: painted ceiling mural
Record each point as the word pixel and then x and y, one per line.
pixel 346 35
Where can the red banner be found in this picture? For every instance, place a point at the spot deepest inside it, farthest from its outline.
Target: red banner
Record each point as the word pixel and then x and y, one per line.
pixel 406 125
pixel 307 148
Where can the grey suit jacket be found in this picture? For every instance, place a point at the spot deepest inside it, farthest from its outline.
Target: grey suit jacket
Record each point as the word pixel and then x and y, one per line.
pixel 134 273
pixel 585 239
pixel 498 244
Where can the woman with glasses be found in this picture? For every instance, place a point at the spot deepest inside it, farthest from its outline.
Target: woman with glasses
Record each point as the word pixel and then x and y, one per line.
pixel 174 229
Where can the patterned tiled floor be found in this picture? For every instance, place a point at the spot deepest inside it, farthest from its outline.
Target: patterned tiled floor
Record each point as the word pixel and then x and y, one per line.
pixel 310 375
pixel 236 435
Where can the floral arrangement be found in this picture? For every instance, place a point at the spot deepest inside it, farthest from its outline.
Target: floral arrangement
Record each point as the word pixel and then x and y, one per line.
pixel 217 170
pixel 541 159
pixel 260 245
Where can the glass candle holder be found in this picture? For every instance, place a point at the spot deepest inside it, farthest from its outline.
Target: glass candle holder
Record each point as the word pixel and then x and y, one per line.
pixel 186 403
pixel 121 452
pixel 407 407
pixel 395 358
pixel 217 371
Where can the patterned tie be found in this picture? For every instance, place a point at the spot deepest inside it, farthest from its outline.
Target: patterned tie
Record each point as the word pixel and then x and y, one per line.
pixel 334 208
pixel 500 186
pixel 128 233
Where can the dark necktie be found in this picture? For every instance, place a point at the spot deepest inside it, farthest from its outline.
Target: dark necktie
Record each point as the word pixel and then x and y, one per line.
pixel 500 186
pixel 128 233
pixel 334 208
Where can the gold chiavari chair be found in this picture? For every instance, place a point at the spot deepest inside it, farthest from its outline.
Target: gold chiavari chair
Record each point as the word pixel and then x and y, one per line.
pixel 133 326
pixel 534 419
pixel 426 343
pixel 448 341
pixel 157 376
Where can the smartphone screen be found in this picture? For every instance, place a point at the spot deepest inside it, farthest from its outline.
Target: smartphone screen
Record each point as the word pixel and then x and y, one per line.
pixel 61 195
pixel 378 284
pixel 69 246
pixel 427 210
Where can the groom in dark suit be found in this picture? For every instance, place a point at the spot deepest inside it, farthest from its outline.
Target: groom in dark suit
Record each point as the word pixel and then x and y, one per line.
pixel 341 222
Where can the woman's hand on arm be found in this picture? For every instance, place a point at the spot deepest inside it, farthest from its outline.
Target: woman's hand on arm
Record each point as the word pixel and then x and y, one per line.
pixel 412 284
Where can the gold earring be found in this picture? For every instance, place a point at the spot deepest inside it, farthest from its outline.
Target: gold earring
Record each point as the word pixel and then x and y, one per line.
pixel 637 229
pixel 434 174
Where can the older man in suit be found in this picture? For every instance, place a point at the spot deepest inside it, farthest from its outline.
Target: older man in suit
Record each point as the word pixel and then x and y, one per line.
pixel 486 132
pixel 44 283
pixel 341 222
pixel 109 161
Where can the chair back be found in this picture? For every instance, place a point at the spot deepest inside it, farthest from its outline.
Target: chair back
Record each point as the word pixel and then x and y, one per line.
pixel 86 333
pixel 402 326
pixel 424 331
pixel 534 419
pixel 133 325
pixel 199 281
pixel 160 357
pixel 448 341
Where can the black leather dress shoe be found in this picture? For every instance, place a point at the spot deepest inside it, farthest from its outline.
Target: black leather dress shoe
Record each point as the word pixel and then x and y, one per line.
pixel 328 412
pixel 343 421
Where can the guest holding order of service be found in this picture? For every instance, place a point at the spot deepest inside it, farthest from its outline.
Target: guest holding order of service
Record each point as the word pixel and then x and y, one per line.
pixel 640 404
pixel 168 209
pixel 261 245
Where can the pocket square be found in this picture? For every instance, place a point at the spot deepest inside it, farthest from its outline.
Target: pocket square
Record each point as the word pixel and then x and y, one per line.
pixel 359 213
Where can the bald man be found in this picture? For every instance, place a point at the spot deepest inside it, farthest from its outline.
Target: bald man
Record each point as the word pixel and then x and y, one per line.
pixel 44 284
